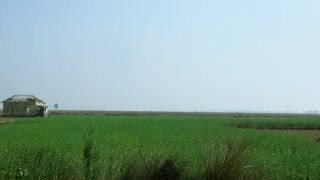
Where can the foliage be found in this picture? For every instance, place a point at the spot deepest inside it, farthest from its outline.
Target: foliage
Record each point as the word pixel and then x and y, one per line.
pixel 232 163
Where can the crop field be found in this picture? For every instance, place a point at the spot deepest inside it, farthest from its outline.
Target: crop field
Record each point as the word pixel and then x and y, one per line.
pixel 160 146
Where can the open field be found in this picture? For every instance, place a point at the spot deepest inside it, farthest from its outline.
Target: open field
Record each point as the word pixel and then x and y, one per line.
pixel 139 113
pixel 311 134
pixel 122 146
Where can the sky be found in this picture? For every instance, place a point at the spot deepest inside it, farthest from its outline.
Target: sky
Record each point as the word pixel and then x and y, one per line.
pixel 162 55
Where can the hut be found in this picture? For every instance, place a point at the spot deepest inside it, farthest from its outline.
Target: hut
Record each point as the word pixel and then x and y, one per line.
pixel 24 106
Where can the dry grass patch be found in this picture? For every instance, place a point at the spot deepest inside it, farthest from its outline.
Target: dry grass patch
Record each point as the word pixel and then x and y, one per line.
pixel 4 120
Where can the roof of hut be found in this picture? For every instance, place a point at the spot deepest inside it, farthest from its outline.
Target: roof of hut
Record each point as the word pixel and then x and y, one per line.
pixel 19 98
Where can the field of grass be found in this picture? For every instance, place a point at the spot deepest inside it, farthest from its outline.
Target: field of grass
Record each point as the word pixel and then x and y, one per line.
pixel 181 146
pixel 289 123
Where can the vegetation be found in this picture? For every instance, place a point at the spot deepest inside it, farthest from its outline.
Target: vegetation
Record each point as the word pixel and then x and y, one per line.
pixel 231 164
pixel 156 147
pixel 289 123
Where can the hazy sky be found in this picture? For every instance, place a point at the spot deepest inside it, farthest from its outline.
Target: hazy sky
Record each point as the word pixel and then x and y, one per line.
pixel 167 55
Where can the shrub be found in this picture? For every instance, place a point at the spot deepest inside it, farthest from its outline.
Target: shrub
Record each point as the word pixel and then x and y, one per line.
pixel 147 167
pixel 228 164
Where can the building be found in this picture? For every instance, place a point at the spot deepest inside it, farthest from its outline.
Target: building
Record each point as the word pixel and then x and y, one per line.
pixel 24 105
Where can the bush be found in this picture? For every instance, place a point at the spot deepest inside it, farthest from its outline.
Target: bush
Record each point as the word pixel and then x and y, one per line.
pixel 161 167
pixel 229 164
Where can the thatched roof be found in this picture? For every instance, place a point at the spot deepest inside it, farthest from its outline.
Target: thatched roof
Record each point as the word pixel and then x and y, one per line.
pixel 19 98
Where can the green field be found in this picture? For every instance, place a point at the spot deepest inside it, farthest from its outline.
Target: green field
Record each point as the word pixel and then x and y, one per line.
pixel 103 147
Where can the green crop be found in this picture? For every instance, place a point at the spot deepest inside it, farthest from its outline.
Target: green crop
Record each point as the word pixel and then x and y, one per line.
pixel 93 146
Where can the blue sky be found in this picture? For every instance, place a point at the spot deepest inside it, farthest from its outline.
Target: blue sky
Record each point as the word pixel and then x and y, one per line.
pixel 168 55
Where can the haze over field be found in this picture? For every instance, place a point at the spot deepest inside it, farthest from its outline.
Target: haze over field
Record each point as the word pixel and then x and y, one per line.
pixel 164 55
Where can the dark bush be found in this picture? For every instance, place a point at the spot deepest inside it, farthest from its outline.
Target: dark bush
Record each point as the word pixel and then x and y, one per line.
pixel 161 167
pixel 228 164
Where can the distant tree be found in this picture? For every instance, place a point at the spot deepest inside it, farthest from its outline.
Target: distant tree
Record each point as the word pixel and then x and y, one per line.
pixel 56 106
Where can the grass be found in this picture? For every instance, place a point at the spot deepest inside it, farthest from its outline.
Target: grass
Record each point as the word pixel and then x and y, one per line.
pixel 151 167
pixel 154 147
pixel 230 164
pixel 41 163
pixel 292 123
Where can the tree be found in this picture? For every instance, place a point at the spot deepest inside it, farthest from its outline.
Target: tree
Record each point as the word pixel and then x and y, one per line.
pixel 56 106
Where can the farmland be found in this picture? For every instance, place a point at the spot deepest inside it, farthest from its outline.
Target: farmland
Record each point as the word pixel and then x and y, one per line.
pixel 108 146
